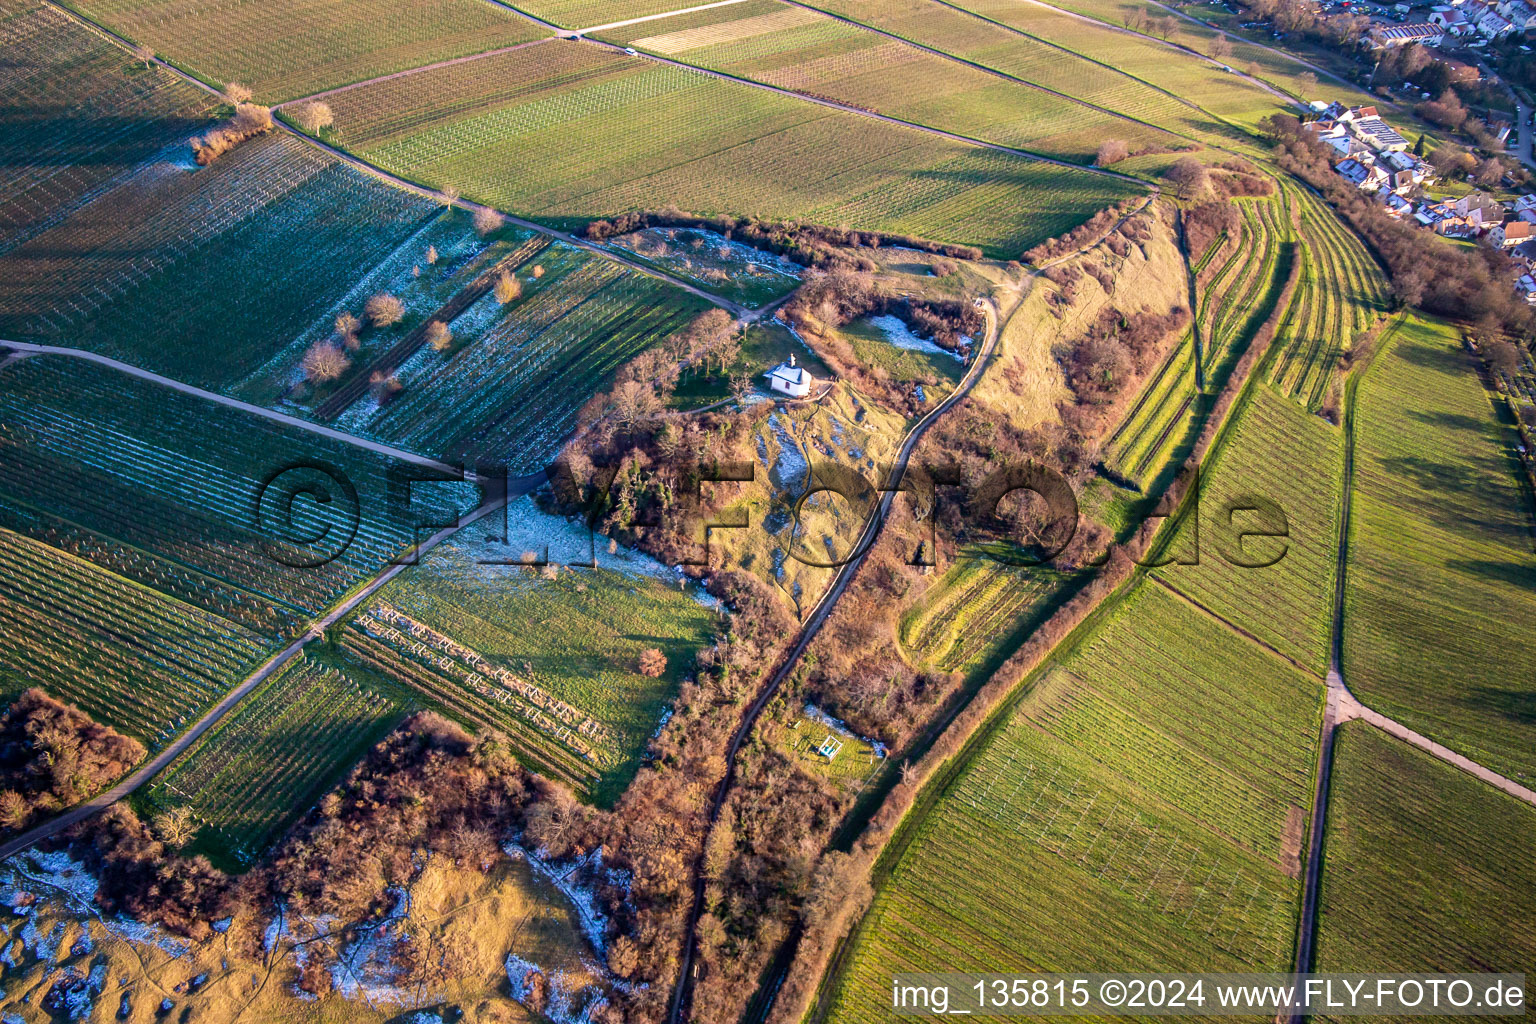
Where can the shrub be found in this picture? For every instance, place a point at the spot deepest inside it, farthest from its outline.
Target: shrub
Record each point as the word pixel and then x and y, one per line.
pixel 312 116
pixel 943 268
pixel 325 362
pixel 438 336
pixel 431 254
pixel 1111 151
pixel 384 309
pixel 488 220
pixel 52 755
pixel 248 122
pixel 538 271
pixel 652 662
pixel 508 288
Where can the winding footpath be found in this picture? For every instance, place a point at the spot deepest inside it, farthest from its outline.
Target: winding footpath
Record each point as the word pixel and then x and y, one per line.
pixel 810 626
pixel 26 350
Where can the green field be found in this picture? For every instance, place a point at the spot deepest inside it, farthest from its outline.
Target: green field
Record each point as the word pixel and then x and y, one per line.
pixel 1441 581
pixel 1274 457
pixel 288 48
pixel 794 48
pixel 569 132
pixel 142 662
pixel 1131 813
pixel 575 638
pixel 190 498
pixel 265 764
pixel 204 276
pixel 1341 293
pixel 1425 868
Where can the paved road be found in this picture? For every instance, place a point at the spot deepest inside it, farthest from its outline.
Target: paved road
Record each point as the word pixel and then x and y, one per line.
pixel 812 625
pixel 27 349
pixel 230 700
pixel 1523 126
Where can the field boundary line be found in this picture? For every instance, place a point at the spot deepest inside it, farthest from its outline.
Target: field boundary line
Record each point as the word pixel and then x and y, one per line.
pixel 1216 616
pixel 848 108
pixel 657 17
pixel 232 699
pixel 956 58
pixel 28 349
pixel 416 70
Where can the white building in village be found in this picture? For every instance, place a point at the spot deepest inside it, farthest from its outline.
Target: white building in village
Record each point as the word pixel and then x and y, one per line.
pixel 789 379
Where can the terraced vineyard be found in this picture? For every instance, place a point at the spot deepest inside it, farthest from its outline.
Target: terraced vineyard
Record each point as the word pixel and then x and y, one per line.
pixel 78 115
pixel 192 497
pixel 1340 294
pixel 158 263
pixel 288 48
pixel 569 132
pixel 1134 809
pixel 131 658
pixel 799 49
pixel 264 765
pixel 1427 869
pixel 970 615
pixel 1232 306
pixel 1277 470
pixel 562 342
pixel 1441 580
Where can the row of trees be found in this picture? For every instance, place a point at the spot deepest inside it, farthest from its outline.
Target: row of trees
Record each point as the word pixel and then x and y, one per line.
pixel 53 755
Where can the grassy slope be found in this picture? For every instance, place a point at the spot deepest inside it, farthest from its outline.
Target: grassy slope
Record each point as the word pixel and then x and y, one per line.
pixel 1426 868
pixel 1441 579
pixel 1130 815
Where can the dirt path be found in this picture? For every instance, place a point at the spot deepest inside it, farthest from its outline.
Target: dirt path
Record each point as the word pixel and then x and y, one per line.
pixel 24 349
pixel 848 108
pixel 658 17
pixel 994 72
pixel 810 627
pixel 230 700
pixel 1343 706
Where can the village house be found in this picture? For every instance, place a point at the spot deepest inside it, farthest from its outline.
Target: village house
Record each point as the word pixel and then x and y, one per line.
pixel 1451 20
pixel 1507 236
pixel 1401 35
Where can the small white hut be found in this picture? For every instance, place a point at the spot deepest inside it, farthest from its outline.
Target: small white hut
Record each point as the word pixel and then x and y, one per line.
pixel 789 379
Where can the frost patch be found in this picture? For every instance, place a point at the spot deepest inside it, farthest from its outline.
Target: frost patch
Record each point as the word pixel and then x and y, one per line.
pixel 899 334
pixel 561 1004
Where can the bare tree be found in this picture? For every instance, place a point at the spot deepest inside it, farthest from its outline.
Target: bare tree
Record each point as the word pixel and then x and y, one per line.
pixel 1221 48
pixel 1189 176
pixel 450 195
pixel 325 362
pixel 175 827
pixel 438 336
pixel 1111 151
pixel 384 309
pixel 431 254
pixel 742 388
pixel 236 94
pixel 487 220
pixel 313 116
pixel 538 271
pixel 508 288
pixel 142 52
